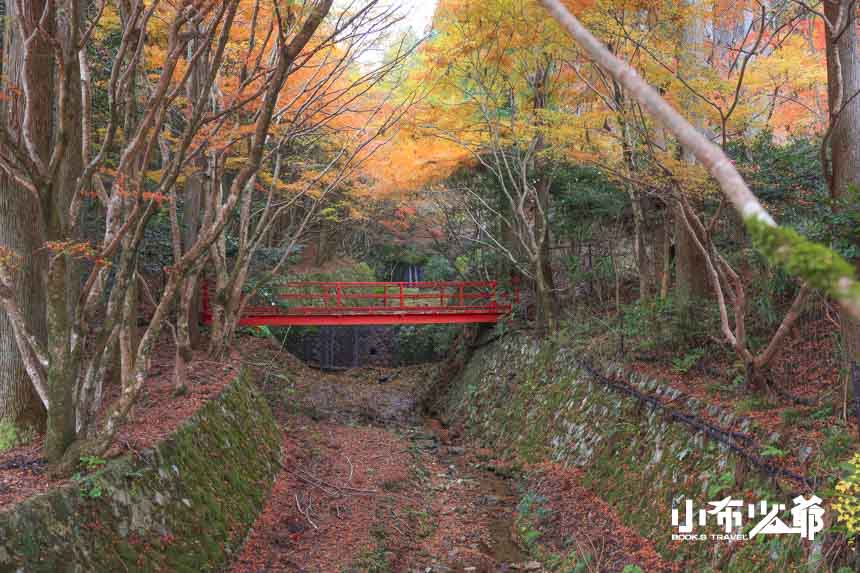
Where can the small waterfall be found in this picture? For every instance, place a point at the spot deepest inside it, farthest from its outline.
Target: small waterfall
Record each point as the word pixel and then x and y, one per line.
pixel 413 274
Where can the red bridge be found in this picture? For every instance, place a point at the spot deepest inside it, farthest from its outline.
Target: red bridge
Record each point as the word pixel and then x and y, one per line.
pixel 374 303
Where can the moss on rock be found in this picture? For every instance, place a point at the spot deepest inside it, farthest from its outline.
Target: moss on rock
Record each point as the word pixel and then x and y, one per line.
pixel 531 400
pixel 184 505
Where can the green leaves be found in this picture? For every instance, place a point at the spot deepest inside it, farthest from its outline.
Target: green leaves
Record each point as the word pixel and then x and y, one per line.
pixel 771 451
pixel 91 485
pixel 684 364
pixel 724 482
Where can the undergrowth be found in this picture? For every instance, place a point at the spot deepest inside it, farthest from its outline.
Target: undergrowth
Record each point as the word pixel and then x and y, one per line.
pixel 12 437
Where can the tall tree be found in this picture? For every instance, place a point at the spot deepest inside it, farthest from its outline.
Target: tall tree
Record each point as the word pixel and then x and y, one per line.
pixel 692 275
pixel 68 369
pixel 818 265
pixel 843 135
pixel 497 66
pixel 19 403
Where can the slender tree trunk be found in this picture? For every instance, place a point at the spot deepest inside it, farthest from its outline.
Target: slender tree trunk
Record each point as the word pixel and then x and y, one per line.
pixel 843 80
pixel 692 281
pixel 218 329
pixel 194 210
pixel 218 296
pixel 62 275
pixel 640 249
pixel 73 161
pixel 663 254
pixel 546 292
pixel 546 318
pixel 193 206
pixel 19 403
pixel 62 373
pixel 184 354
pixel 507 236
pixel 324 244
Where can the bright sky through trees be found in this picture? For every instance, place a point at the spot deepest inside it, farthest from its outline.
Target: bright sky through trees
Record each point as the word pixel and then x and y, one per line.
pixel 420 14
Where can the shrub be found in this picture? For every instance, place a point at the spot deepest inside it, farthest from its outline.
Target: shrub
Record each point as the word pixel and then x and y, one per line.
pixel 11 436
pixel 847 500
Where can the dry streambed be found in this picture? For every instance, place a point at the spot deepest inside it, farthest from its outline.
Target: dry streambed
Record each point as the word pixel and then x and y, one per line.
pixel 367 485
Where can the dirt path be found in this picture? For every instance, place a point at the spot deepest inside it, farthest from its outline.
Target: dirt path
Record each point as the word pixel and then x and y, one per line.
pixel 369 486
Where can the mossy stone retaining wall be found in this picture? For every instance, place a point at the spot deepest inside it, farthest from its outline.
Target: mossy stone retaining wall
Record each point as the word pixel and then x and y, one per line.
pixel 184 505
pixel 533 400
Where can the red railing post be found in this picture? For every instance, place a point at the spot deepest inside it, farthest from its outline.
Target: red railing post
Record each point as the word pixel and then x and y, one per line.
pixel 462 302
pixel 385 296
pixel 337 291
pixel 401 296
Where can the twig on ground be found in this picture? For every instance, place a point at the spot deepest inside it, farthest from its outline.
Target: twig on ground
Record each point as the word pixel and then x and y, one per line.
pixel 322 488
pixel 306 511
pixel 331 485
pixel 349 461
pixel 394 525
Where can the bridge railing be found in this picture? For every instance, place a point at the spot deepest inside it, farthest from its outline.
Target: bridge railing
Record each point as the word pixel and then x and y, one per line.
pixel 346 298
pixel 339 296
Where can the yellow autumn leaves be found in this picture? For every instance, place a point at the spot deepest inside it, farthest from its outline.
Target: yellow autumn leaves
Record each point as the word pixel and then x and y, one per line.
pixel 847 501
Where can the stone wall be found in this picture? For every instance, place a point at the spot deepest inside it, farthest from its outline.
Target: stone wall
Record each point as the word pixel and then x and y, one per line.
pixel 342 347
pixel 536 401
pixel 184 505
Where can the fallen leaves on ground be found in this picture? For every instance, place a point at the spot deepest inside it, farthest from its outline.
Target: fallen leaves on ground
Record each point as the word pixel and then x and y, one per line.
pixel 157 414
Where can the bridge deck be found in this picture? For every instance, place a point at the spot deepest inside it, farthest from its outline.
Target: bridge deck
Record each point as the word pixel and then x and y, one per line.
pixel 379 303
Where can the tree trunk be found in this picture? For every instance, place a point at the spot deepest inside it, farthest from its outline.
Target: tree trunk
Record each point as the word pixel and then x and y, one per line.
pixel 640 251
pixel 507 236
pixel 193 211
pixel 663 254
pixel 62 373
pixel 72 164
pixel 19 403
pixel 322 244
pixel 193 205
pixel 691 268
pixel 184 354
pixel 546 317
pixel 546 294
pixel 62 278
pixel 843 81
pixel 692 274
pixel 218 292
